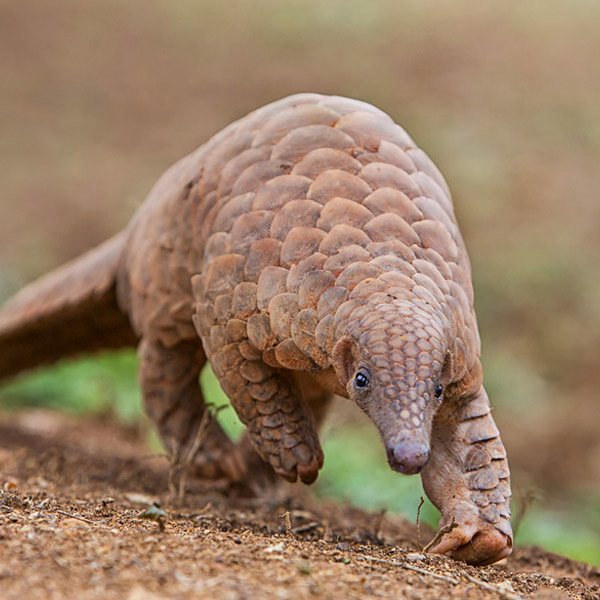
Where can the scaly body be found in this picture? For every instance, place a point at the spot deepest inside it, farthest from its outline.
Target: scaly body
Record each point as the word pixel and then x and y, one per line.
pixel 308 249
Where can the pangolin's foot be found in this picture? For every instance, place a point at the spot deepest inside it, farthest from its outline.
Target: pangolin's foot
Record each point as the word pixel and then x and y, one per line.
pixel 291 447
pixel 237 467
pixel 259 478
pixel 300 462
pixel 209 455
pixel 467 478
pixel 286 457
pixel 471 539
pixel 294 466
pixel 224 461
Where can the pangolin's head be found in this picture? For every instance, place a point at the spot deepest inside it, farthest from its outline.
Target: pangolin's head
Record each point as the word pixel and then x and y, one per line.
pixel 395 362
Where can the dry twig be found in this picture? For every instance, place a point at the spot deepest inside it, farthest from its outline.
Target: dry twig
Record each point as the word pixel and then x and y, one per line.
pixel 419 524
pixel 288 522
pixel 181 462
pixel 174 470
pixel 66 514
pixel 438 536
pixel 526 501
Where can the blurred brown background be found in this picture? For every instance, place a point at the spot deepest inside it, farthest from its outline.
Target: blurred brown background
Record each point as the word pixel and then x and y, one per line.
pixel 100 97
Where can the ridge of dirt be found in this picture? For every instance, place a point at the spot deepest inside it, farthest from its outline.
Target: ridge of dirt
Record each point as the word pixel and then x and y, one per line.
pixel 74 491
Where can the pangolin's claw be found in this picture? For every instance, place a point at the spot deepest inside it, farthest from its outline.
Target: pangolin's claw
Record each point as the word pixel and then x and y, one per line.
pixel 307 473
pixel 476 544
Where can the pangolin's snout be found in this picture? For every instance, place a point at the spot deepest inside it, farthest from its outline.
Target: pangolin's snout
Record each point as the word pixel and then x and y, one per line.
pixel 408 457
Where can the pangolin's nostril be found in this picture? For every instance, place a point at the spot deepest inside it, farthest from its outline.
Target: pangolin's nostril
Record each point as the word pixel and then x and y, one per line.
pixel 407 457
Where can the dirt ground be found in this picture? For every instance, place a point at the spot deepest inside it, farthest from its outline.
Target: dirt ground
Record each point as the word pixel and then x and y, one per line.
pixel 74 492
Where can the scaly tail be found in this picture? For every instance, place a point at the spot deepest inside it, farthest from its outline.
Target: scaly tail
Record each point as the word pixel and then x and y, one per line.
pixel 71 310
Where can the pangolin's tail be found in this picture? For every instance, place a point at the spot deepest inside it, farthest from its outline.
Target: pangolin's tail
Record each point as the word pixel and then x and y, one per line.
pixel 71 310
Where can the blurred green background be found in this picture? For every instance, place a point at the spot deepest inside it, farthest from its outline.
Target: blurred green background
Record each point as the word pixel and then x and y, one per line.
pixel 99 98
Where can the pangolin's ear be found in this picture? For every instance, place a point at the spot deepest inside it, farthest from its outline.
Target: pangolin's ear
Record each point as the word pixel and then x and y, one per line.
pixel 454 367
pixel 343 358
pixel 447 369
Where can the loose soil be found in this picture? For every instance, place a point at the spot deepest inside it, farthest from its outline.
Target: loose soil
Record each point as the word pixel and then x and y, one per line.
pixel 71 526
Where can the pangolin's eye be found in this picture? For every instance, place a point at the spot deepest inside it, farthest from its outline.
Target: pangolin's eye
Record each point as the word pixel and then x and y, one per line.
pixel 362 380
pixel 438 391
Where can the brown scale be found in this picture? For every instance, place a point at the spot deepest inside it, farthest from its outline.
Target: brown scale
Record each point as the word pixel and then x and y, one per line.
pixel 301 270
pixel 279 191
pixel 326 159
pixel 308 249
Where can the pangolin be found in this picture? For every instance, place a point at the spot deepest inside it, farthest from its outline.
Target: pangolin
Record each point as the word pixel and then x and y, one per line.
pixel 306 250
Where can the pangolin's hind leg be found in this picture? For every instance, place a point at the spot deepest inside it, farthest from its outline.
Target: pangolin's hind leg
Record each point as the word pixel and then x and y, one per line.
pixel 174 401
pixel 467 478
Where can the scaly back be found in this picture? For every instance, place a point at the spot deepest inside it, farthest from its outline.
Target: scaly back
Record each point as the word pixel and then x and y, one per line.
pixel 313 209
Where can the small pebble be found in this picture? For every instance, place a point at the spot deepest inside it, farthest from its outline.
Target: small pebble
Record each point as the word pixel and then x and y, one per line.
pixel 276 548
pixel 414 556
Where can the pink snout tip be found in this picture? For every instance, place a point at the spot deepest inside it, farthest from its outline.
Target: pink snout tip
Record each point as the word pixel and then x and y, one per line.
pixel 407 456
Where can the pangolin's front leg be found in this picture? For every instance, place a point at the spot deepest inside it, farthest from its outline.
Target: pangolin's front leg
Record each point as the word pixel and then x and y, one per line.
pixel 261 475
pixel 174 401
pixel 267 399
pixel 467 478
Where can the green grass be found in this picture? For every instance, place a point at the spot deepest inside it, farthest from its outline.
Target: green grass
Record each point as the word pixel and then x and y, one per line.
pixel 569 533
pixel 103 383
pixel 355 469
